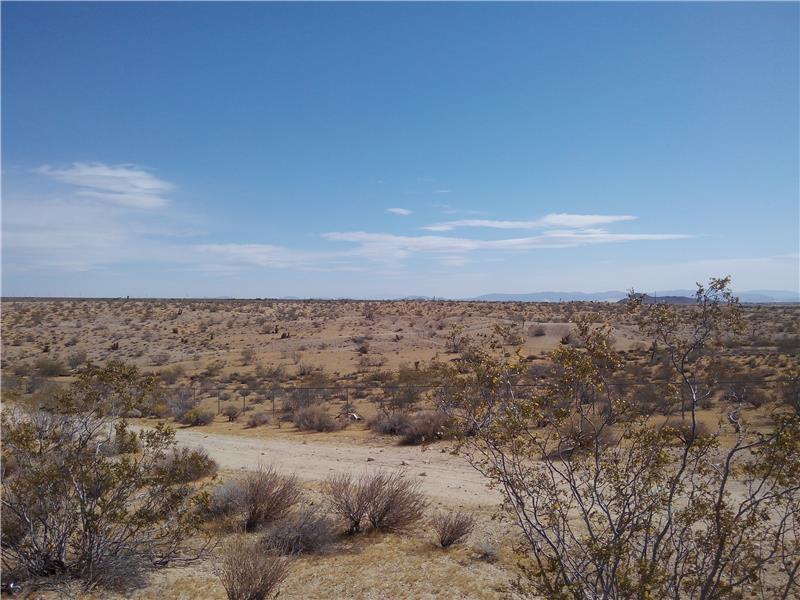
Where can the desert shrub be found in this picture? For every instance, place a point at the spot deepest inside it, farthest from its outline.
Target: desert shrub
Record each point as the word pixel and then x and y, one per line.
pixel 788 345
pixel 396 424
pixel 426 427
pixel 276 373
pixel 49 367
pixel 214 369
pixel 486 550
pixel 303 532
pixel 249 573
pixel 452 528
pixel 314 418
pixel 258 419
pixel 537 331
pixel 789 393
pixel 248 354
pixel 181 402
pixel 757 398
pixel 225 500
pixel 187 464
pixel 388 501
pixel 160 410
pixel 76 359
pixel 706 517
pixel 395 502
pixel 195 417
pixel 267 496
pixel 160 359
pixel 71 511
pixel 582 433
pixel 123 441
pixel 172 374
pixel 681 431
pixel 652 399
pixel 349 498
pixel 232 412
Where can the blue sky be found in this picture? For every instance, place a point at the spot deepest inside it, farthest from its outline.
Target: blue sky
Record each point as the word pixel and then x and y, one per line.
pixel 378 150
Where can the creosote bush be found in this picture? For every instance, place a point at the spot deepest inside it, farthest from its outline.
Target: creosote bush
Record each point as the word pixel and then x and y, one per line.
pixel 657 511
pixel 84 499
pixel 247 572
pixel 452 528
pixel 187 464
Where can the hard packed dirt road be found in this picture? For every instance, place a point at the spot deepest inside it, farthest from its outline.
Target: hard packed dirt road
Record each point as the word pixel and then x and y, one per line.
pixel 444 477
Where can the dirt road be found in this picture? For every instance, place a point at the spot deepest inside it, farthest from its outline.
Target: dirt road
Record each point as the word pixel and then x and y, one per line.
pixel 446 478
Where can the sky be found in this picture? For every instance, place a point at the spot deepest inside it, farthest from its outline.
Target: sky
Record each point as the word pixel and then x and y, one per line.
pixel 395 149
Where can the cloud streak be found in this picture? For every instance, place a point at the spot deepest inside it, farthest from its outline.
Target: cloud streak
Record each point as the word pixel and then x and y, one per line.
pixel 381 246
pixel 403 212
pixel 111 218
pixel 119 185
pixel 550 220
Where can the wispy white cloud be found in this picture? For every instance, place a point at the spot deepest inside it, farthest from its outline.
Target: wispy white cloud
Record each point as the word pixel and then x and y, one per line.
pixel 259 255
pixel 403 212
pixel 550 220
pixel 74 235
pixel 94 226
pixel 573 220
pixel 384 246
pixel 451 210
pixel 120 185
pixel 454 261
pixel 442 191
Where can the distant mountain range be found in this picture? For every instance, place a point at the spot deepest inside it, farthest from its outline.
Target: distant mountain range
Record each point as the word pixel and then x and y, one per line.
pixel 674 296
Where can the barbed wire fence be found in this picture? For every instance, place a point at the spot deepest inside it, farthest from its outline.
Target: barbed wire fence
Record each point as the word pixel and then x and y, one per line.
pixel 281 398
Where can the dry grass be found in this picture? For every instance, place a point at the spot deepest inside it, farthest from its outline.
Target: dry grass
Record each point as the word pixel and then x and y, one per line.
pixel 370 567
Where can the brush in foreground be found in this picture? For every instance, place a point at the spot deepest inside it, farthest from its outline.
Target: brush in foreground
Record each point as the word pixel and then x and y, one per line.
pixel 247 572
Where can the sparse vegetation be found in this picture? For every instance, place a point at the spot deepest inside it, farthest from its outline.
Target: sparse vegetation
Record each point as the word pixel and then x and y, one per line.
pixel 400 375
